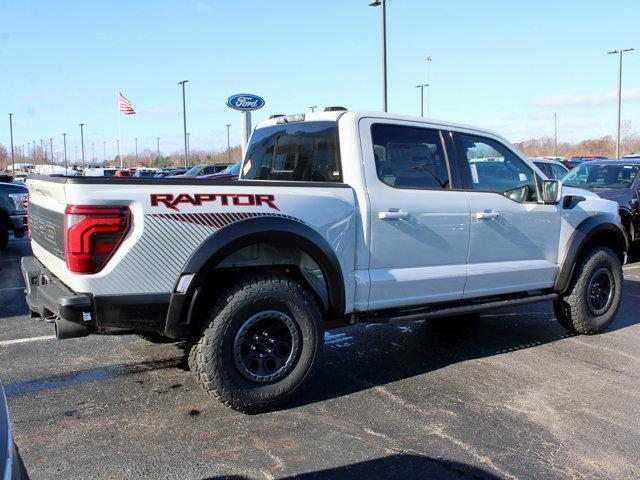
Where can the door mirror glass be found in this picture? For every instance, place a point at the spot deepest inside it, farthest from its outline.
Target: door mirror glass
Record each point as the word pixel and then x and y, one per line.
pixel 551 191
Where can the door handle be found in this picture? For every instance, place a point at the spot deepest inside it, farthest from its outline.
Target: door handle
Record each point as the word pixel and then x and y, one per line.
pixel 487 214
pixel 392 214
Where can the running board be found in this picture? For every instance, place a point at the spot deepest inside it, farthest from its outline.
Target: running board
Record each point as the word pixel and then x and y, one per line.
pixel 447 310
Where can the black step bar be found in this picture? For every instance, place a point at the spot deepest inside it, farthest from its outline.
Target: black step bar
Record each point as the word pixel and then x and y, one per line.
pixel 449 309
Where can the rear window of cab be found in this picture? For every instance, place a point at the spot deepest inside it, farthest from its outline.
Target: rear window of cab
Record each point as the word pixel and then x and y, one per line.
pixel 298 152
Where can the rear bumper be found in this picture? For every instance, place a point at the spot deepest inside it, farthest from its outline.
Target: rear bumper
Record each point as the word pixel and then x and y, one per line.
pixel 46 295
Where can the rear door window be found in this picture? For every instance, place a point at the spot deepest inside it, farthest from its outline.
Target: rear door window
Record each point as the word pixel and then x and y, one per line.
pixel 409 157
pixel 300 152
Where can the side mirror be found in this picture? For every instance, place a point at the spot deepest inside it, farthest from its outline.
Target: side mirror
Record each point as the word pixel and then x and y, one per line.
pixel 551 191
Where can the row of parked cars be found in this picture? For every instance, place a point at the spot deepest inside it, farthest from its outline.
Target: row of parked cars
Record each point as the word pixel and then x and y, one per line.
pixel 614 179
pixel 198 171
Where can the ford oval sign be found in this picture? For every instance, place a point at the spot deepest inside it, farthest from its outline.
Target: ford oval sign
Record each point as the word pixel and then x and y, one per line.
pixel 245 102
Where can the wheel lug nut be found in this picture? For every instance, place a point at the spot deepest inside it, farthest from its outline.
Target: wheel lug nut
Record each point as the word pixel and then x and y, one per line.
pixel 261 355
pixel 253 347
pixel 271 340
pixel 268 350
pixel 265 334
pixel 256 338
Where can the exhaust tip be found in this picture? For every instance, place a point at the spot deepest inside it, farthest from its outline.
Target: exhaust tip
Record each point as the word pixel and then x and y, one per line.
pixel 65 329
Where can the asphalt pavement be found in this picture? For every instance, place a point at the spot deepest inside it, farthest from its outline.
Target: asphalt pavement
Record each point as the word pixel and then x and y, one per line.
pixel 507 395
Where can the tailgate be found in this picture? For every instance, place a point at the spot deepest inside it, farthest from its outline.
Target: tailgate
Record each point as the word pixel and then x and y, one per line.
pixel 46 216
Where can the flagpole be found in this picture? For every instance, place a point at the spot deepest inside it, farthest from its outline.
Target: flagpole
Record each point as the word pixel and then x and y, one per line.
pixel 119 130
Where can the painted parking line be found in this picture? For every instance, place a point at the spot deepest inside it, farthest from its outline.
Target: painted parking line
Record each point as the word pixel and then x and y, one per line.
pixel 9 289
pixel 17 341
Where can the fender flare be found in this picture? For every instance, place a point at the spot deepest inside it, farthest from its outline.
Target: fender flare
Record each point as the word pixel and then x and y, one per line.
pixel 267 229
pixel 583 233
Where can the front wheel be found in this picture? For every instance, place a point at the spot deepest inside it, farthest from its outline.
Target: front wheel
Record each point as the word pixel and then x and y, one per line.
pixel 261 341
pixel 593 298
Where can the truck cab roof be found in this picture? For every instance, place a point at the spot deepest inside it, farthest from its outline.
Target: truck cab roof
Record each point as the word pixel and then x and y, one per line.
pixel 355 116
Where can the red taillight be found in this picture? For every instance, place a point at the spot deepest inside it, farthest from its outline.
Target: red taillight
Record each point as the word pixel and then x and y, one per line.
pixel 92 235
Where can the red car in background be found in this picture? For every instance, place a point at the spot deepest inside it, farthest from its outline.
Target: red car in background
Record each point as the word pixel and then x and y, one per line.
pixel 125 172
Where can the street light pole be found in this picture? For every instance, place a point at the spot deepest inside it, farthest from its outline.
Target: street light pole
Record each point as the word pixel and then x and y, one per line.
pixel 158 156
pixel 51 148
pixel 184 120
pixel 13 162
pixel 43 151
pixel 313 108
pixel 93 155
pixel 82 144
pixel 66 163
pixel 228 125
pixel 136 151
pixel 104 152
pixel 382 3
pixel 428 60
pixel 421 87
pixel 555 134
pixel 619 52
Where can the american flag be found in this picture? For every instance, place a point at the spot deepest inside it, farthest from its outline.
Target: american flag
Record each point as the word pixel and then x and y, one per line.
pixel 126 106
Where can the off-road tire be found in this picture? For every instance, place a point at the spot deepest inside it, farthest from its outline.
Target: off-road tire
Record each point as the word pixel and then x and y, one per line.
pixel 4 236
pixel 573 308
pixel 212 359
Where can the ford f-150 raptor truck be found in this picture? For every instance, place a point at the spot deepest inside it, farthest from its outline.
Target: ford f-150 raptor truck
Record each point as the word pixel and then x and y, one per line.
pixel 338 217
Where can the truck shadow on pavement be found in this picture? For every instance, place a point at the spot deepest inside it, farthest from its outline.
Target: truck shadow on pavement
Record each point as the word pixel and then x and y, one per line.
pixel 366 356
pixel 394 466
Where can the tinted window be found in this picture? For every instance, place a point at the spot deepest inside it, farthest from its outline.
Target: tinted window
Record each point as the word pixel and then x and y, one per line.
pixel 602 176
pixel 409 157
pixel 301 151
pixel 557 171
pixel 492 167
pixel 544 168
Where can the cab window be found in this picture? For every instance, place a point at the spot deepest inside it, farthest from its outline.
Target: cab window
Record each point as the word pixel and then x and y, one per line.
pixel 300 152
pixel 492 167
pixel 409 157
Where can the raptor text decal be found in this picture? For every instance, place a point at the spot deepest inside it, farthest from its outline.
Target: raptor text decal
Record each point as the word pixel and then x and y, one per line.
pixel 173 202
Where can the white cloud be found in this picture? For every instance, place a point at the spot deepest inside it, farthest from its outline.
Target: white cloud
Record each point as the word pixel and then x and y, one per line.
pixel 587 100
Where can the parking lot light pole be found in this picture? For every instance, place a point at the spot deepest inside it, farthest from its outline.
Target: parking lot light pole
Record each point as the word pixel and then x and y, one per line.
pixel 104 152
pixel 382 3
pixel 43 152
pixel 555 134
pixel 158 156
pixel 421 87
pixel 228 125
pixel 136 151
pixel 82 145
pixel 184 121
pixel 64 143
pixel 51 149
pixel 619 52
pixel 313 108
pixel 428 60
pixel 13 161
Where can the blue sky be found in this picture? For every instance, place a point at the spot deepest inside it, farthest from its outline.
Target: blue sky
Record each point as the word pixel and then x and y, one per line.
pixel 504 65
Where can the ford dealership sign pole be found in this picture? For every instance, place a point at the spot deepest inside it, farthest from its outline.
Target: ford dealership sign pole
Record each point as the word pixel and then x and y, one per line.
pixel 246 103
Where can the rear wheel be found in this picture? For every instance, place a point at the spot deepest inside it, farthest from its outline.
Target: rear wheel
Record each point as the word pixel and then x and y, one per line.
pixel 260 343
pixel 594 295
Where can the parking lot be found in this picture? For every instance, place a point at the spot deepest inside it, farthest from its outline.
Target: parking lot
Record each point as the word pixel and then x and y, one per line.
pixel 507 395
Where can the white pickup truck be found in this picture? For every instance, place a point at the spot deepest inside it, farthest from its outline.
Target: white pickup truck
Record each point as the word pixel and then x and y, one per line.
pixel 338 217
